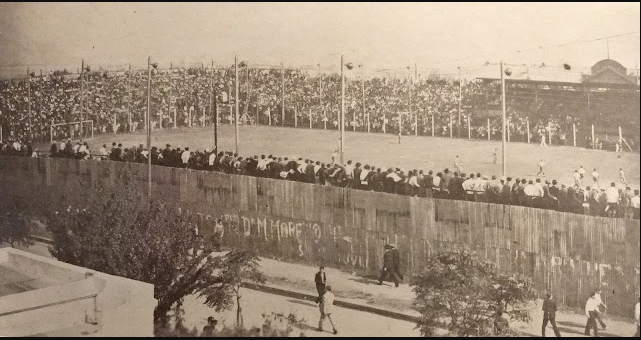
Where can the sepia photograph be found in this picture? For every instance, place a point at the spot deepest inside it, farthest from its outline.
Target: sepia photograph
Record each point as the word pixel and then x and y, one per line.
pixel 319 169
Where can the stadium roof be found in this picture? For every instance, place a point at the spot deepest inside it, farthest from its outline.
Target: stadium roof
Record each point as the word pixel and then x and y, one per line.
pixel 559 75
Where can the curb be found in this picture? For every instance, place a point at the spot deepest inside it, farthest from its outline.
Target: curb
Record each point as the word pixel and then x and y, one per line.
pixel 303 296
pixel 339 303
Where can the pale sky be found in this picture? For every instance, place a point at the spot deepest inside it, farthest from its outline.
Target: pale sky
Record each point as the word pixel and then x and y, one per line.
pixel 379 35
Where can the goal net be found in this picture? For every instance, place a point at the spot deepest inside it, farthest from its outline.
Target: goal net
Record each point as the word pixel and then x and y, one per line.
pixel 71 130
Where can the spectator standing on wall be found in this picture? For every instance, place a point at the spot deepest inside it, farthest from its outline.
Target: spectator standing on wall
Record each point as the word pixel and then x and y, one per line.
pixel 612 196
pixel 185 157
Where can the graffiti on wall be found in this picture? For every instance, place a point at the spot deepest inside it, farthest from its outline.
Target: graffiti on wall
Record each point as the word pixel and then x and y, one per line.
pixel 306 240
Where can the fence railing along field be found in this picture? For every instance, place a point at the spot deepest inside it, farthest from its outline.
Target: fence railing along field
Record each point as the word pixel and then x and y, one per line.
pixel 567 254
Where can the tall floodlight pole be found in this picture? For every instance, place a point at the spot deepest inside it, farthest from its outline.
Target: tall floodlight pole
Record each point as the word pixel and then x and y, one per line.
pixel 503 121
pixel 342 138
pixel 458 129
pixel 29 103
pixel 320 90
pixel 129 99
pixel 82 91
pixel 282 94
pixel 409 93
pixel 363 96
pixel 148 127
pixel 236 101
pixel 211 88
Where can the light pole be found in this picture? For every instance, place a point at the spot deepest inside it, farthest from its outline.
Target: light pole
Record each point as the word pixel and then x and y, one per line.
pixel 342 138
pixel 237 99
pixel 29 76
pixel 83 69
pixel 149 66
pixel 320 90
pixel 508 73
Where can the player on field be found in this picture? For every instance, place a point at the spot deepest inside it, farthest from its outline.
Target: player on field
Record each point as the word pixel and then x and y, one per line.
pixel 496 156
pixel 595 177
pixel 622 177
pixel 541 171
pixel 577 179
pixel 458 165
pixel 582 172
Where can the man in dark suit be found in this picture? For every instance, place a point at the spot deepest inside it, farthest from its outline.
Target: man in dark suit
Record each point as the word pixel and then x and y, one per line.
pixel 549 314
pixel 321 283
pixel 388 267
pixel 396 262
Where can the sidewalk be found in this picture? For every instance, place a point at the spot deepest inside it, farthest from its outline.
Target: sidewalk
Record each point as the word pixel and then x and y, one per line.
pixel 364 294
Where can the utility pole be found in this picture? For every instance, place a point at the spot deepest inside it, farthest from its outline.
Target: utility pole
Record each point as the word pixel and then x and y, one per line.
pixel 237 101
pixel 82 91
pixel 148 118
pixel 459 102
pixel 342 123
pixel 503 120
pixel 29 104
pixel 282 95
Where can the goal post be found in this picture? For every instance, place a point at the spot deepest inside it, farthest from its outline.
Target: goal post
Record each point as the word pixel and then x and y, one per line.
pixel 69 131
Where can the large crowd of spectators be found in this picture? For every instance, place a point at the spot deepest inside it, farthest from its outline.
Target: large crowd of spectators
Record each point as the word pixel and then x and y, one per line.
pixel 116 102
pixel 597 199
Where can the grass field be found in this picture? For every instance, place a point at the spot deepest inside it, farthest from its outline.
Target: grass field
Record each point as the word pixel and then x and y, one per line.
pixel 426 153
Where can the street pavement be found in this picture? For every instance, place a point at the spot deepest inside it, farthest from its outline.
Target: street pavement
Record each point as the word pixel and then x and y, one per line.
pixel 360 291
pixel 350 323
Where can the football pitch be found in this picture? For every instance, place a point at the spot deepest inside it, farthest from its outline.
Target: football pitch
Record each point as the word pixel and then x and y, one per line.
pixel 384 151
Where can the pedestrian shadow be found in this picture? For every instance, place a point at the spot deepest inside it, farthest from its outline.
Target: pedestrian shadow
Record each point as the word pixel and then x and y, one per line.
pixel 304 303
pixel 565 330
pixel 306 327
pixel 365 281
pixel 570 324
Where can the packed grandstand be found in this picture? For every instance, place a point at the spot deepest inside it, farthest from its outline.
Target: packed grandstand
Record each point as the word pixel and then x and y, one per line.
pixel 116 101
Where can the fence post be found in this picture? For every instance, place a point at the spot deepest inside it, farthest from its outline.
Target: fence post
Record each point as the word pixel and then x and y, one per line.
pixel 593 136
pixel 507 129
pixel 621 137
pixel 310 118
pixel 295 117
pixel 549 135
pixel 489 132
pixel 527 126
pixel 469 128
pixel 574 133
pixel 451 126
pixel 433 125
pixel 384 123
pixel 416 125
pixel 367 121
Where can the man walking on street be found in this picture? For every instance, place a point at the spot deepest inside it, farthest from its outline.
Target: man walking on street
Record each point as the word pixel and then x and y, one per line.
pixel 549 315
pixel 388 267
pixel 396 262
pixel 600 303
pixel 591 311
pixel 321 282
pixel 327 309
